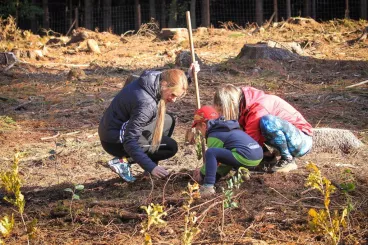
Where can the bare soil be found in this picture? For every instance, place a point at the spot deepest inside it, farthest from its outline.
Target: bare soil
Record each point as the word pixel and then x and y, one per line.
pixel 54 119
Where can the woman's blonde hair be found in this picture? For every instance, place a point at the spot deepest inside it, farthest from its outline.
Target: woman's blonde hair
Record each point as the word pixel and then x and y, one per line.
pixel 176 80
pixel 227 100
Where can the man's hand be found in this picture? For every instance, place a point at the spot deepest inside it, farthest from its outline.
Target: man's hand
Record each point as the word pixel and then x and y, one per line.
pixel 194 67
pixel 159 172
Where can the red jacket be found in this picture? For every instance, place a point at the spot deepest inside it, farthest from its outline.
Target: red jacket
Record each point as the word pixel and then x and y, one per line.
pixel 258 104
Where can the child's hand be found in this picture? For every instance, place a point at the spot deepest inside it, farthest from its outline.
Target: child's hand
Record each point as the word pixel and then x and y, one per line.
pixel 194 67
pixel 189 136
pixel 197 175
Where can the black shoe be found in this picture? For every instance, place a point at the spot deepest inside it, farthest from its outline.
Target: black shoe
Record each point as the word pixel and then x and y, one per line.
pixel 285 165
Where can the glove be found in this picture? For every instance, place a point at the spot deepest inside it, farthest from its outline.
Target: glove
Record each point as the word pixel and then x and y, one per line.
pixel 159 172
pixel 197 175
pixel 194 67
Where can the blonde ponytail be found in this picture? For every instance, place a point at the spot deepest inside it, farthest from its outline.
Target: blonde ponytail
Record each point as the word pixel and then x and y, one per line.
pixel 157 134
pixel 175 79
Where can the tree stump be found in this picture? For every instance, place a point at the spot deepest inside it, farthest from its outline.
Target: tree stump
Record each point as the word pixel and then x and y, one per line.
pixel 263 51
pixel 184 59
pixel 78 37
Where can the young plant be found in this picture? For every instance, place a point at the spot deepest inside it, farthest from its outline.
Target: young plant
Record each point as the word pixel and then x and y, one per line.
pixel 190 218
pixel 75 196
pixel 6 226
pixel 12 184
pixel 325 221
pixel 234 182
pixel 154 214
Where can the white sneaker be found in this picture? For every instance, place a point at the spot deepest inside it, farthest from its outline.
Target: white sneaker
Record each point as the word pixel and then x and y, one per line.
pixel 122 168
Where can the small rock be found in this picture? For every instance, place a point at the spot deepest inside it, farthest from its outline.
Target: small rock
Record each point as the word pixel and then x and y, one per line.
pixel 93 46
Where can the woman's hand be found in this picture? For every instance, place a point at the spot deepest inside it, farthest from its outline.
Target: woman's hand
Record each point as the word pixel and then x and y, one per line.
pixel 159 172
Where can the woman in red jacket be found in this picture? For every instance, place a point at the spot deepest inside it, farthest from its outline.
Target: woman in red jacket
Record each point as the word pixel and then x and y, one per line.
pixel 267 119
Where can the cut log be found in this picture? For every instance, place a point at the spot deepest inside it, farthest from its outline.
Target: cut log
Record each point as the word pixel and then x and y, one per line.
pixel 291 46
pixel 333 140
pixel 177 34
pixel 302 21
pixel 263 51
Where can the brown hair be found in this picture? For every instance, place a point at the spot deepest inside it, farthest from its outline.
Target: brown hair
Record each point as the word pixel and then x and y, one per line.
pixel 227 100
pixel 176 80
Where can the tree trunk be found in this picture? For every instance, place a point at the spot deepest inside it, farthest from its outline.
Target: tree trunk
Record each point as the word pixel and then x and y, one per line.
pixel 205 13
pixel 363 9
pixel 33 20
pixel 275 10
pixel 259 12
pixel 152 8
pixel 76 16
pixel 137 15
pixel 173 13
pixel 16 11
pixel 307 8
pixel 314 16
pixel 163 14
pixel 88 14
pixel 288 9
pixel 46 21
pixel 347 11
pixel 193 13
pixel 107 14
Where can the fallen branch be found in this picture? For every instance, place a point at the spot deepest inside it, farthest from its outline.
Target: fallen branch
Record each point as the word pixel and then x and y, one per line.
pixel 357 84
pixel 51 137
pixel 361 38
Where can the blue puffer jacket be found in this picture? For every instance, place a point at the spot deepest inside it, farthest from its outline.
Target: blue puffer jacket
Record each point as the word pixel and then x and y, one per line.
pixel 133 108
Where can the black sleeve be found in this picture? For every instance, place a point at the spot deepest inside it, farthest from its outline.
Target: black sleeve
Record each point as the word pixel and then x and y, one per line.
pixel 139 118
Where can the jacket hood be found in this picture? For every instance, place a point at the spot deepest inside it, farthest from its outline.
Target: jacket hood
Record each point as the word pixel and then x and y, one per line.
pixel 150 82
pixel 251 95
pixel 221 125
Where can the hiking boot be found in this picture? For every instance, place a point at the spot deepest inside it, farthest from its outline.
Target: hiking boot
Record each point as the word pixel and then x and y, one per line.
pixel 122 168
pixel 285 165
pixel 207 191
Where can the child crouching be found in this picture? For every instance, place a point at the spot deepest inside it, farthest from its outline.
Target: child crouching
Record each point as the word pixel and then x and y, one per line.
pixel 228 147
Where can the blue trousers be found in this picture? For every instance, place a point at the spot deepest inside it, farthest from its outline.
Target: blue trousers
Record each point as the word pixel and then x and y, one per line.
pixel 215 155
pixel 285 137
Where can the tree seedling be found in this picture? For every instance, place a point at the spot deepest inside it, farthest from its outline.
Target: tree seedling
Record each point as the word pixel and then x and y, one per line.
pixel 155 212
pixel 325 221
pixel 75 196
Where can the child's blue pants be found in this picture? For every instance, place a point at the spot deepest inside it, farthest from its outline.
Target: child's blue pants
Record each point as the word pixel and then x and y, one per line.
pixel 285 137
pixel 215 155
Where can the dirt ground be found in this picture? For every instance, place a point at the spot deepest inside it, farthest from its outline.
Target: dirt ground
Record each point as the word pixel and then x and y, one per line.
pixel 53 117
